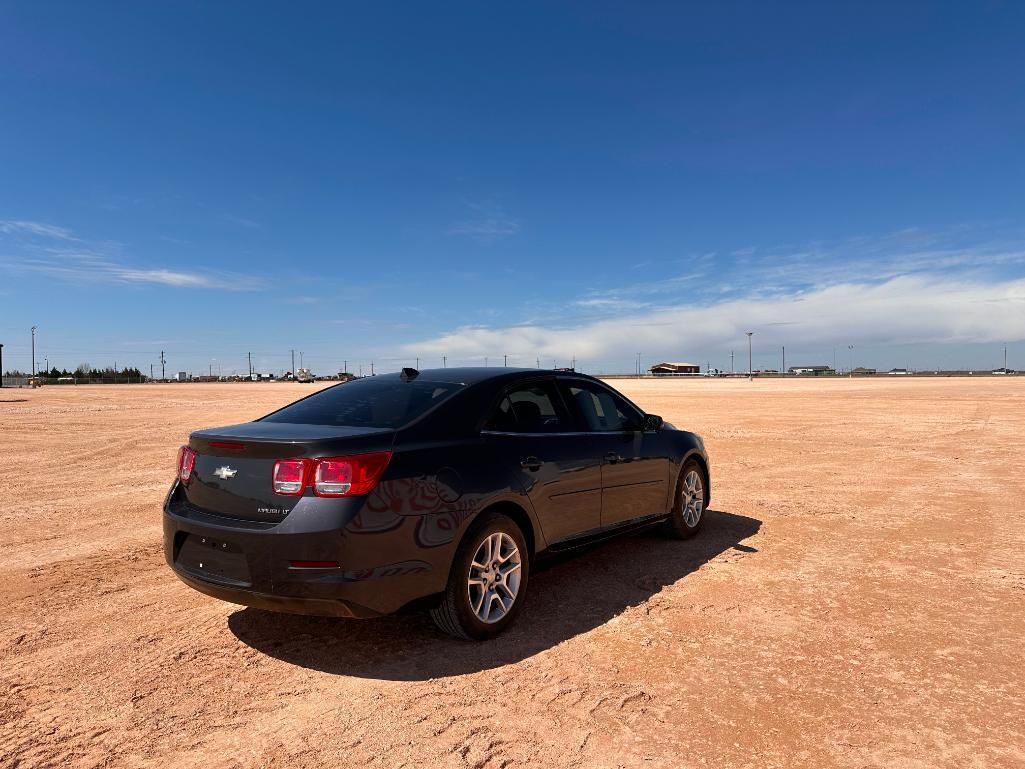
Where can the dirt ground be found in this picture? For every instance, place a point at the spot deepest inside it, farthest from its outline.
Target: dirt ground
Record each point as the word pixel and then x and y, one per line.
pixel 856 599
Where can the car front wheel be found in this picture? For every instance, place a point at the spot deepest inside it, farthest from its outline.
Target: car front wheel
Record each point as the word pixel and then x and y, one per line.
pixel 488 580
pixel 690 502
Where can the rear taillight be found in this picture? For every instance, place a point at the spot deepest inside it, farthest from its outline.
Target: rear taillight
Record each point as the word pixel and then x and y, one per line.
pixel 186 464
pixel 290 476
pixel 331 477
pixel 349 476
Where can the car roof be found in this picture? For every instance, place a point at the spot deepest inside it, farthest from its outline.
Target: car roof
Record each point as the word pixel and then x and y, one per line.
pixel 468 375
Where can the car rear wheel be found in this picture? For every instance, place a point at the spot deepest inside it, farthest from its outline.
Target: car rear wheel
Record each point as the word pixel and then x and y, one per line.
pixel 488 580
pixel 690 501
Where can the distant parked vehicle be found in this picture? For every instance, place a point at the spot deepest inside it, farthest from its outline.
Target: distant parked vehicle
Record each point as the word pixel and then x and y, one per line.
pixel 438 489
pixel 304 375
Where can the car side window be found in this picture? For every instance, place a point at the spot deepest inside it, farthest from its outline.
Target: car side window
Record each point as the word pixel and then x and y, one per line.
pixel 600 410
pixel 531 408
pixel 503 419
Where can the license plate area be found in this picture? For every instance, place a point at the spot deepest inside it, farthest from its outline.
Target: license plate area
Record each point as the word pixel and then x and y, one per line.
pixel 213 560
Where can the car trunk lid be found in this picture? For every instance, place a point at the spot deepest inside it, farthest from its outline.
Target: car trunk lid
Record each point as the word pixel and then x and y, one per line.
pixel 232 477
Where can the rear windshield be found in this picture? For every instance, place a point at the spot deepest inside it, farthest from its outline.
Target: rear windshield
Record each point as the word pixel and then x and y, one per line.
pixel 371 402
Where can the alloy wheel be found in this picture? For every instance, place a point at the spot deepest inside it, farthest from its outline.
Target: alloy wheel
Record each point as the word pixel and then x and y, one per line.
pixel 494 578
pixel 692 498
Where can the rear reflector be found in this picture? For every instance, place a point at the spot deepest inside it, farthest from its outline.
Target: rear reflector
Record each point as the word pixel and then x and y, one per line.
pixel 313 564
pixel 186 464
pixel 290 476
pixel 349 476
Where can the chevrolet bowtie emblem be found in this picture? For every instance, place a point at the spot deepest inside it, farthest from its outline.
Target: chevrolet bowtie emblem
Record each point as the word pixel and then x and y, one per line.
pixel 224 473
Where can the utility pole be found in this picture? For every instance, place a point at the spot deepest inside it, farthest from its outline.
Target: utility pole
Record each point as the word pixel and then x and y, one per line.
pixel 485 361
pixel 46 364
pixel 417 362
pixel 1 365
pixel 371 366
pixel 33 352
pixel 345 367
pixel 783 370
pixel 250 366
pixel 163 367
pixel 505 358
pixel 731 361
pixel 293 361
pixel 539 362
pixel 638 364
pixel 300 360
pixel 151 372
pixel 851 369
pixel 574 364
pixel 750 359
pixel 1005 356
pixel 444 361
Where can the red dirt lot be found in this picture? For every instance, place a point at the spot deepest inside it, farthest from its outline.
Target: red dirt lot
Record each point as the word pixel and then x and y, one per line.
pixel 856 599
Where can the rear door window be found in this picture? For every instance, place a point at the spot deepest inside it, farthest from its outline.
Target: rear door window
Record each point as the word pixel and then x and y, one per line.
pixel 529 408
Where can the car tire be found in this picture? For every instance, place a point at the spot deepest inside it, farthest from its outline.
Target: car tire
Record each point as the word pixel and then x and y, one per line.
pixel 690 501
pixel 476 604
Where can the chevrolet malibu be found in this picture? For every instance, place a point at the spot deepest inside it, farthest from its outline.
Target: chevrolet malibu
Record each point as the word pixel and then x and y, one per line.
pixel 425 489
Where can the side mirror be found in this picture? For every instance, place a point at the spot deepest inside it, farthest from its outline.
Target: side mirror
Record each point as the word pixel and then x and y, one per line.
pixel 652 422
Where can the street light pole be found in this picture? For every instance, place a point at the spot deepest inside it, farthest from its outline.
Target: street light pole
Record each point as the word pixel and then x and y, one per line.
pixel 33 352
pixel 750 365
pixel 850 371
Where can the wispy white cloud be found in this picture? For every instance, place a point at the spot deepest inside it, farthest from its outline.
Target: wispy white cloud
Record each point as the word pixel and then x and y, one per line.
pixel 59 253
pixel 901 310
pixel 598 303
pixel 489 222
pixel 38 229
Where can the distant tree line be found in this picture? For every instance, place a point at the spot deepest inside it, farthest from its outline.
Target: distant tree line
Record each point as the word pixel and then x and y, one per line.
pixel 84 371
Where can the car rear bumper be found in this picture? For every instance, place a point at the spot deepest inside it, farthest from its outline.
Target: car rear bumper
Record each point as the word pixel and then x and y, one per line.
pixel 380 568
pixel 319 607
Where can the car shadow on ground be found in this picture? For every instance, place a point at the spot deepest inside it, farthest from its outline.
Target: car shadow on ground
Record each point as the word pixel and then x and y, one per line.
pixel 566 597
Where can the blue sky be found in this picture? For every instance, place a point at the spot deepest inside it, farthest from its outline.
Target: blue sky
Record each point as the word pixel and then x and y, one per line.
pixel 592 180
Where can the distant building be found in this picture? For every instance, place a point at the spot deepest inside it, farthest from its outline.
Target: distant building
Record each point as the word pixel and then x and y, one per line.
pixel 862 371
pixel 812 370
pixel 898 372
pixel 663 369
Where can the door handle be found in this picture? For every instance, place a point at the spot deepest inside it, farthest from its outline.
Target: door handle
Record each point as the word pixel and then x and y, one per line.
pixel 531 463
pixel 612 458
